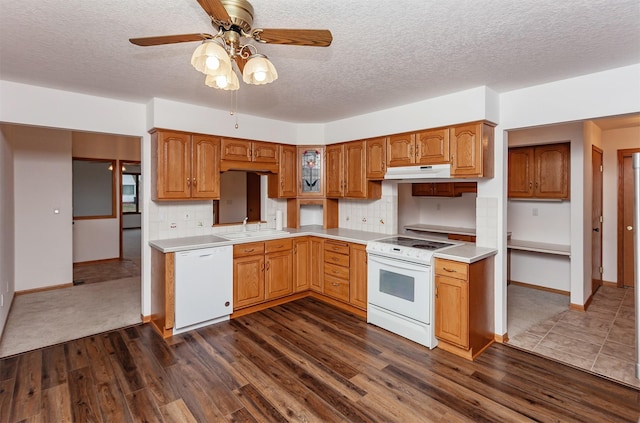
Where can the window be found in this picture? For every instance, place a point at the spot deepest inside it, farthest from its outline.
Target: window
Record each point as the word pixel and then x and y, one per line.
pixel 130 192
pixel 93 188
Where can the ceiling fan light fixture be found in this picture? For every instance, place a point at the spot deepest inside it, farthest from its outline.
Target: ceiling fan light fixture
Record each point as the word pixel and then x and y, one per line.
pixel 259 70
pixel 227 82
pixel 211 58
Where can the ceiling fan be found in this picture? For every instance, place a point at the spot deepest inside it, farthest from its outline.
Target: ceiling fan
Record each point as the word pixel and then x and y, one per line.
pixel 234 20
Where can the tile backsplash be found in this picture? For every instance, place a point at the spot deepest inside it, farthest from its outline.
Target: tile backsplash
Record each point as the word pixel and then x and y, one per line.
pixel 177 219
pixel 369 215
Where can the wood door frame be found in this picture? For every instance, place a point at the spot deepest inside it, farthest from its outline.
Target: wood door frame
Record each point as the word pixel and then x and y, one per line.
pixel 601 173
pixel 621 154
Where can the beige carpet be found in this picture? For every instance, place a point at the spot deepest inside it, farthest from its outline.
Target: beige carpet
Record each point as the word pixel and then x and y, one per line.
pixel 47 318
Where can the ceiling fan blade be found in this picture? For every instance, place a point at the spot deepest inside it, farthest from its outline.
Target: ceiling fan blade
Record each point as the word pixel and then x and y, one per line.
pixel 240 61
pixel 216 11
pixel 296 37
pixel 169 39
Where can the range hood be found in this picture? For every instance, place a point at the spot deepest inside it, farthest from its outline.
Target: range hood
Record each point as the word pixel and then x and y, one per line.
pixel 439 171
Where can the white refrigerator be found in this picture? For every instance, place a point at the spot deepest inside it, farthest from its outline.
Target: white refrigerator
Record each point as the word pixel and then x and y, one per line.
pixel 636 181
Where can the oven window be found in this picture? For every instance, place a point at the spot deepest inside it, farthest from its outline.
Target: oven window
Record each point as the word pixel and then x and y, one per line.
pixel 397 285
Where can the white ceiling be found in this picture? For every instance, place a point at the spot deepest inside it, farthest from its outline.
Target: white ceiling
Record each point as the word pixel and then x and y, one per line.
pixel 384 53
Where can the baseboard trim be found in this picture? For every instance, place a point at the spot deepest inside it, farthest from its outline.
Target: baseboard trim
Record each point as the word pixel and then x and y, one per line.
pixel 44 288
pixel 611 284
pixel 501 339
pixel 541 288
pixel 145 319
pixel 579 307
pixel 102 261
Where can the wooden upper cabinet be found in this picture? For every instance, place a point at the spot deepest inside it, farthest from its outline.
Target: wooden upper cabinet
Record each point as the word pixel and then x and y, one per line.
pixel 432 147
pixel 520 172
pixel 540 171
pixel 552 171
pixel 185 166
pixel 283 184
pixel 205 170
pixel 310 163
pixel 401 150
pixel 376 158
pixel 471 150
pixel 334 170
pixel 355 169
pixel 249 151
pixel 264 152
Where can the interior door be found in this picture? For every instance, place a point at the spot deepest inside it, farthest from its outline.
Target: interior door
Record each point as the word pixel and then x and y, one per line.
pixel 596 217
pixel 626 227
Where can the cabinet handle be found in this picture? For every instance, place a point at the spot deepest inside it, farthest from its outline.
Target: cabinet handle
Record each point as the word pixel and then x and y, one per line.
pixel 446 269
pixel 334 258
pixel 410 150
pixel 436 292
pixel 268 265
pixel 530 185
pixel 335 284
pixel 335 271
pixel 249 153
pixel 383 165
pixel 295 249
pixel 188 182
pixel 418 151
pixel 249 250
pixel 194 182
pixel 256 153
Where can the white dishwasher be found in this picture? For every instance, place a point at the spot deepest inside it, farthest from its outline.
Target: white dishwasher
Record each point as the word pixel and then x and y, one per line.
pixel 203 287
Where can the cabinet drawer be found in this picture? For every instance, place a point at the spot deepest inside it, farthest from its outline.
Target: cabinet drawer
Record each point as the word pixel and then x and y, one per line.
pixel 335 258
pixel 336 247
pixel 248 249
pixel 341 272
pixel 278 245
pixel 336 288
pixel 453 269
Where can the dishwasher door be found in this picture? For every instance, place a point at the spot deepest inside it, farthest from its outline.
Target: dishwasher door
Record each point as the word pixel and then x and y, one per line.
pixel 203 285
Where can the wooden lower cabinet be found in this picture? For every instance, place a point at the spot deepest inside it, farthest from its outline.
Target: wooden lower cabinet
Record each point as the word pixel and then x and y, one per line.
pixel 301 264
pixel 316 263
pixel 262 271
pixel 464 306
pixel 358 276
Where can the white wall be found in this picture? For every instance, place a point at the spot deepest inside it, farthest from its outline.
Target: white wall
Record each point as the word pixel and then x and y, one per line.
pixel 612 141
pixel 42 184
pixel 7 224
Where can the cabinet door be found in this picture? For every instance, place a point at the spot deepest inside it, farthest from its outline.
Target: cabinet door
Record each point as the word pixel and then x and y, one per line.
pixel 520 172
pixel 358 276
pixel 173 165
pixel 264 152
pixel 452 310
pixel 335 179
pixel 443 189
pixel 278 274
pixel 301 264
pixel 248 281
pixel 376 158
pixel 283 184
pixel 310 165
pixel 316 264
pixel 234 149
pixel 355 164
pixel 472 150
pixel 205 167
pixel 432 147
pixel 552 171
pixel 401 150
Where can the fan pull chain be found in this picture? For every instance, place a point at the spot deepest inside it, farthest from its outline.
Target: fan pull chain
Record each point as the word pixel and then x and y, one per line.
pixel 234 106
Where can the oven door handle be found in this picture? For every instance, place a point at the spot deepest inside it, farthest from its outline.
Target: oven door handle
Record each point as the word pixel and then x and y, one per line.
pixel 396 263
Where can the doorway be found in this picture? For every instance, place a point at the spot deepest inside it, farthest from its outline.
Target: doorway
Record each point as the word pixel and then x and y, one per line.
pixel 626 229
pixel 130 211
pixel 596 218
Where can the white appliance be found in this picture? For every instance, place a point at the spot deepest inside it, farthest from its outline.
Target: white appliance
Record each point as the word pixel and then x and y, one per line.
pixel 204 287
pixel 442 171
pixel 636 181
pixel 401 287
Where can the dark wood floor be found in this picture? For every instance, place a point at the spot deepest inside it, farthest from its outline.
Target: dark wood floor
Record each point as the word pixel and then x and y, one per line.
pixel 303 361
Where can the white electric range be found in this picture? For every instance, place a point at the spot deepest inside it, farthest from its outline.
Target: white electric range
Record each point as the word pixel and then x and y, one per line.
pixel 401 288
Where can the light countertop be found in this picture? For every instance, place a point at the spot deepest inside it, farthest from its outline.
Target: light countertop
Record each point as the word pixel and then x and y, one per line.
pixel 464 252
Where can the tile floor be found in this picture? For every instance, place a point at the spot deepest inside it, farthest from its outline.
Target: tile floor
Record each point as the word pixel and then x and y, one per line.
pixel 601 340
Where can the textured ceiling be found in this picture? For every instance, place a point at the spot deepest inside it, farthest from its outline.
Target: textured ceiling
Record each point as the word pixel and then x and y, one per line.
pixel 384 53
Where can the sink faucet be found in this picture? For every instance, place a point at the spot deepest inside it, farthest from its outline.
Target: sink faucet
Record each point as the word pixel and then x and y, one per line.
pixel 244 224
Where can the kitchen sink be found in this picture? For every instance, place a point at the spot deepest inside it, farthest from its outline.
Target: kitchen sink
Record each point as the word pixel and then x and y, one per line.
pixel 263 233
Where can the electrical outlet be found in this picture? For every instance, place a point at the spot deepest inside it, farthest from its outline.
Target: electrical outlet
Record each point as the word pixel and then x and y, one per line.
pixel 535 211
pixel 173 226
pixel 186 216
pixel 438 206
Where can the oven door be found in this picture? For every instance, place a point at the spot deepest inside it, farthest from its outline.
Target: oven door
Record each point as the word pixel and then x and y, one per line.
pixel 401 287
